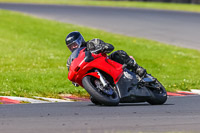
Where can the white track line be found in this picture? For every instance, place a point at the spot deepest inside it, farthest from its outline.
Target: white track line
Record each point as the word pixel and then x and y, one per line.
pixel 195 91
pixel 53 99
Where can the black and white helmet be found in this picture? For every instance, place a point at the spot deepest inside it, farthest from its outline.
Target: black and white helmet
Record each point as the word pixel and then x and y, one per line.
pixel 74 40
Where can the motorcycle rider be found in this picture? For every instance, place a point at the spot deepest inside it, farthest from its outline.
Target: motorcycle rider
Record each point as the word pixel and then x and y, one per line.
pixel 75 40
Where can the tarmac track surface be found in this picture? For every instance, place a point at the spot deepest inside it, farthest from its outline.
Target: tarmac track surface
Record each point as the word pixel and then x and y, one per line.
pixel 180 114
pixel 177 28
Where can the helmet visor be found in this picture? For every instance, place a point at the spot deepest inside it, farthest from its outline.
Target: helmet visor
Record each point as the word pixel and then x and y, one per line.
pixel 73 46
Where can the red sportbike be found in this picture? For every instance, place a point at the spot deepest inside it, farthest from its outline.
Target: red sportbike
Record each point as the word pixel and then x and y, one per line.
pixel 110 83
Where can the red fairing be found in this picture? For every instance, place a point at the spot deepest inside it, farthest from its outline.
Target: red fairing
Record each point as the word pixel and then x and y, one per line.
pixel 79 68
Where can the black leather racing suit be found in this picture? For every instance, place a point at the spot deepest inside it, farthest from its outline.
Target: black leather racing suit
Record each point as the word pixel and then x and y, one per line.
pixel 120 56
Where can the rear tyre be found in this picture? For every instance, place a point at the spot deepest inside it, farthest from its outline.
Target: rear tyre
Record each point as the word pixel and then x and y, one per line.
pixel 99 96
pixel 159 95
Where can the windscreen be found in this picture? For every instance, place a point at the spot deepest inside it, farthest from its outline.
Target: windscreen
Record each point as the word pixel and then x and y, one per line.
pixel 75 54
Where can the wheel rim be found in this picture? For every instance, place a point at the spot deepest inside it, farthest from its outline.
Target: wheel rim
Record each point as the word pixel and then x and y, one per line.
pixel 106 91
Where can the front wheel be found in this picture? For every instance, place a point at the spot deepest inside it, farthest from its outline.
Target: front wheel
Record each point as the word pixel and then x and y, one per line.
pixel 103 95
pixel 159 94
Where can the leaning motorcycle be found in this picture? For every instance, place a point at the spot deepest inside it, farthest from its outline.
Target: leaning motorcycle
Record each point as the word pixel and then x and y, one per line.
pixel 110 83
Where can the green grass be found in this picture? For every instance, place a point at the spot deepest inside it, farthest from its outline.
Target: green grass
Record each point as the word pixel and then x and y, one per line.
pixel 33 57
pixel 150 5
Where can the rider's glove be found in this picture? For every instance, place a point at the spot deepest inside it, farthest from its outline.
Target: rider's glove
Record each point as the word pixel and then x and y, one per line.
pixel 90 46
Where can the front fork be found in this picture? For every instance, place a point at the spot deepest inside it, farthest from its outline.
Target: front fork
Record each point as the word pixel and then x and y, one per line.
pixel 106 87
pixel 103 81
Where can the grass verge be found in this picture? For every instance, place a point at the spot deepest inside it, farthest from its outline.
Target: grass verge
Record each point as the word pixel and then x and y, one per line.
pixel 33 57
pixel 137 4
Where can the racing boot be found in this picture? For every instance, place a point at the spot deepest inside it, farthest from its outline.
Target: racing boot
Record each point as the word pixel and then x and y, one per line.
pixel 131 64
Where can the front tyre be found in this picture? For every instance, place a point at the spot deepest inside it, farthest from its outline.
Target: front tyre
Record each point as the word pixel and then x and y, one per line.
pixel 94 101
pixel 92 86
pixel 159 94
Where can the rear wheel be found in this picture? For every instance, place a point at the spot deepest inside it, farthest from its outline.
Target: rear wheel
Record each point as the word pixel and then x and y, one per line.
pixel 159 94
pixel 100 95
